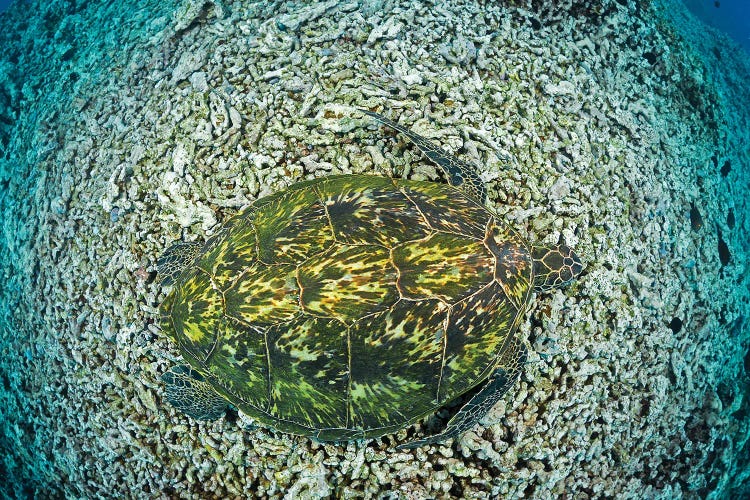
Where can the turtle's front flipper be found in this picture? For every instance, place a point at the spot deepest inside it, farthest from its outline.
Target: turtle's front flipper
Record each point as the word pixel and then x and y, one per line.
pixel 460 174
pixel 189 392
pixel 498 384
pixel 175 259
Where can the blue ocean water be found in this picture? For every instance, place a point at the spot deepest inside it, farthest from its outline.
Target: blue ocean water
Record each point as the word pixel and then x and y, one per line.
pixel 729 16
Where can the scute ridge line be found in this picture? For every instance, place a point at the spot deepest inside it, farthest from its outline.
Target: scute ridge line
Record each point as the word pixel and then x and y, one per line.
pixel 469 297
pixel 268 365
pixel 398 275
pixel 319 195
pixel 409 198
pixel 487 229
pixel 349 377
pixel 444 355
pixel 300 287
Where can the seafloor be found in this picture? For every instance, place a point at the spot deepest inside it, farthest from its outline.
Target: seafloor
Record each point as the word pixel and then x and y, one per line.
pixel 621 127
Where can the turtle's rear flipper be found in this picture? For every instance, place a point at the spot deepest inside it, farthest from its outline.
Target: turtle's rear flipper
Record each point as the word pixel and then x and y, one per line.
pixel 175 259
pixel 469 415
pixel 189 392
pixel 459 174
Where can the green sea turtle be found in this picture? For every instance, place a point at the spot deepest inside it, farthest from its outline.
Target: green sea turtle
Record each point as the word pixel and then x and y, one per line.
pixel 352 306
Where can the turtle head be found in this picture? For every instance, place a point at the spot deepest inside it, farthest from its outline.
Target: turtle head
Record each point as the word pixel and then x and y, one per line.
pixel 554 266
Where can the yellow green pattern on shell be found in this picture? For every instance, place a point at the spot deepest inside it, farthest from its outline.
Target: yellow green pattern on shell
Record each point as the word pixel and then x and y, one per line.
pixel 351 306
